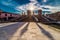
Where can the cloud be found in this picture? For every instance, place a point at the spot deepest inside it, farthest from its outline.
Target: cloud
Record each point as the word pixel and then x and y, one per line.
pixel 37 5
pixel 33 0
pixel 32 3
pixel 52 9
pixel 44 0
pixel 9 3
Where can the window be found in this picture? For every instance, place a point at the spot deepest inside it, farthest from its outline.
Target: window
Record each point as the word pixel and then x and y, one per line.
pixel 10 14
pixel 0 13
pixel 5 14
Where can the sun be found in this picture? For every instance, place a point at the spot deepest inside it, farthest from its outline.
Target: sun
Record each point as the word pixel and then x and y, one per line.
pixel 31 7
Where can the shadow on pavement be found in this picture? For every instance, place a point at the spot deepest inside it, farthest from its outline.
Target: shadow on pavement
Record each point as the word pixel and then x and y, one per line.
pixel 24 29
pixel 11 29
pixel 46 33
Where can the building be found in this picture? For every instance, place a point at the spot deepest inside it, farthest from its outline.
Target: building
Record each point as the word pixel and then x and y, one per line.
pixel 55 16
pixel 6 15
pixel 39 12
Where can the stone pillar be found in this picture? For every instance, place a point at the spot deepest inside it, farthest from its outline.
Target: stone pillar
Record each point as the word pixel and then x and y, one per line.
pixel 7 17
pixel 33 13
pixel 39 12
pixel 28 13
pixel 24 13
pixel 6 14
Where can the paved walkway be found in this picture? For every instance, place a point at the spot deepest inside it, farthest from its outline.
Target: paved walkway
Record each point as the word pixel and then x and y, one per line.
pixel 32 31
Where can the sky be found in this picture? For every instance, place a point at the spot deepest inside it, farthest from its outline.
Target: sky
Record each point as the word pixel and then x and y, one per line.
pixel 18 6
